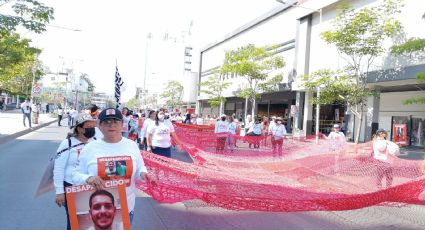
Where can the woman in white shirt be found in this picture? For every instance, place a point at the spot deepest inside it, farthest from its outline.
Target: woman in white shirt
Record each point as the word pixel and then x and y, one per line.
pixel 67 157
pixel 125 122
pixel 232 128
pixel 383 153
pixel 158 136
pixel 277 132
pixel 221 130
pixel 256 130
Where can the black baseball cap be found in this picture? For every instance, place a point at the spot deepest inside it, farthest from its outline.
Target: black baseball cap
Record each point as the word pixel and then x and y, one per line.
pixel 110 113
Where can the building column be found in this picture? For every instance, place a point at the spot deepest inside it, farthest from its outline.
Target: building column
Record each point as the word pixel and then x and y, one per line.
pixel 298 118
pixel 308 113
pixel 371 118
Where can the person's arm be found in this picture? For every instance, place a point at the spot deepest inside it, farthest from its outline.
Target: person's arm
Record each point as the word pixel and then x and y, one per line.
pixel 149 139
pixel 59 172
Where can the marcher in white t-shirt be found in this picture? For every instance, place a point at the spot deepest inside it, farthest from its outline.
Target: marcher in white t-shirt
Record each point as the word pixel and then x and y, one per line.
pixel 26 110
pixel 232 128
pixel 67 155
pixel 221 129
pixel 158 136
pixel 383 153
pixel 91 167
pixel 336 134
pixel 278 132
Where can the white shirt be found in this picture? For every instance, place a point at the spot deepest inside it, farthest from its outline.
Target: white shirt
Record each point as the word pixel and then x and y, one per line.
pixel 272 123
pixel 336 135
pixel 65 163
pixel 125 121
pixel 278 131
pixel 147 122
pixel 88 166
pixel 60 111
pixel 256 128
pixel 232 128
pixel 221 127
pixel 26 107
pixel 199 121
pixel 34 108
pixel 381 149
pixel 160 134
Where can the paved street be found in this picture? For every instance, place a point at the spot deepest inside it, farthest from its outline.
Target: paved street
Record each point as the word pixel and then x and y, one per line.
pixel 22 161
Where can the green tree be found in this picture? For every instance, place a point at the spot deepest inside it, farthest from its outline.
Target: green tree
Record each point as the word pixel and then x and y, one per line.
pixel 173 94
pixel 412 46
pixel 358 36
pixel 214 88
pixel 31 14
pixel 17 58
pixel 133 104
pixel 256 66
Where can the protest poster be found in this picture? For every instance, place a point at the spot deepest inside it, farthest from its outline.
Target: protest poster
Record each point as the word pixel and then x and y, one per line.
pixel 98 209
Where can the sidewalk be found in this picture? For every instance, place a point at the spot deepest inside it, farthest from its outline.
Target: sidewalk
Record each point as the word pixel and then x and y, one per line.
pixel 11 124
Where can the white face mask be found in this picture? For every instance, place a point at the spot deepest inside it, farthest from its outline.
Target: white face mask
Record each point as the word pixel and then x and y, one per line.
pixel 279 122
pixel 161 117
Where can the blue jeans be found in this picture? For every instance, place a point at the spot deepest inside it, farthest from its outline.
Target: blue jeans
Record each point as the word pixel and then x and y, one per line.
pixel 165 152
pixel 27 115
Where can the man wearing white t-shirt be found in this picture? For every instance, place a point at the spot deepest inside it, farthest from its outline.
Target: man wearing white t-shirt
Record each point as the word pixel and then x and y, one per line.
pixel 26 110
pixel 278 132
pixel 91 162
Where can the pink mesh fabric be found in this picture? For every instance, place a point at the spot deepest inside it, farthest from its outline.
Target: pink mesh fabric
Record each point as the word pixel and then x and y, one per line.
pixel 328 176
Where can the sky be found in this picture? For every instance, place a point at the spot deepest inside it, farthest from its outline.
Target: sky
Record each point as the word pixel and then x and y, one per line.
pixel 114 32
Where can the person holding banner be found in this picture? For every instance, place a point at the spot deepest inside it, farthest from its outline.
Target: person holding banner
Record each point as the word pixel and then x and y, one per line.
pixel 67 155
pixel 91 167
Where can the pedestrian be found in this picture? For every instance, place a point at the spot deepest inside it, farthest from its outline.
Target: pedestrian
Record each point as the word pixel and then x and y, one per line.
pixel 47 108
pixel 67 156
pixel 221 131
pixel 383 154
pixel 158 136
pixel 187 120
pixel 35 113
pixel 232 129
pixel 60 115
pixel 265 130
pixel 256 130
pixel 146 123
pixel 26 111
pixel 94 111
pixel 199 120
pixel 133 125
pixel 336 133
pixel 277 132
pixel 90 168
pixel 125 122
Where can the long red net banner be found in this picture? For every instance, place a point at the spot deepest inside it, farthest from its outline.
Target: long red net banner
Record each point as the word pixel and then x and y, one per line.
pixel 329 176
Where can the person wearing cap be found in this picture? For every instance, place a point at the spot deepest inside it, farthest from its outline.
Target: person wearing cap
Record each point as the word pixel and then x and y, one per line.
pixel 278 132
pixel 158 136
pixel 221 130
pixel 112 146
pixel 336 134
pixel 67 155
pixel 383 154
pixel 93 110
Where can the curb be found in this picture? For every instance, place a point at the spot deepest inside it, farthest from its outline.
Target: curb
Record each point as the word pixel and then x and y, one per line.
pixel 23 132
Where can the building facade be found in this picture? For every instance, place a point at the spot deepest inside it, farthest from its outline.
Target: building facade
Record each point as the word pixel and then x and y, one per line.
pixel 296 27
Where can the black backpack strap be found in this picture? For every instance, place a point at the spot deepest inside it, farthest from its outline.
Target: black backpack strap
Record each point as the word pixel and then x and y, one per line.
pixel 69 147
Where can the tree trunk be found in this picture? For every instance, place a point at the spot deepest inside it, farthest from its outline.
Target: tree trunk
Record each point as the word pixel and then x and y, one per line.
pixel 253 108
pixel 359 127
pixel 220 109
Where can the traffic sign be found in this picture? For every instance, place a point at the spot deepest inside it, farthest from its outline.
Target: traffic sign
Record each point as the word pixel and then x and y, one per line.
pixel 36 90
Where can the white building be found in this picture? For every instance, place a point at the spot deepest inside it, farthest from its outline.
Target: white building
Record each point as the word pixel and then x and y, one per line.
pixel 297 31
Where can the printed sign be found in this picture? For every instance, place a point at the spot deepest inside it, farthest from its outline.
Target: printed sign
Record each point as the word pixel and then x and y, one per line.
pixel 98 209
pixel 400 134
pixel 114 168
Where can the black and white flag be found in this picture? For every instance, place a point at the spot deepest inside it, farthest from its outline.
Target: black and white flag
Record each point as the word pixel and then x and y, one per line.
pixel 118 84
